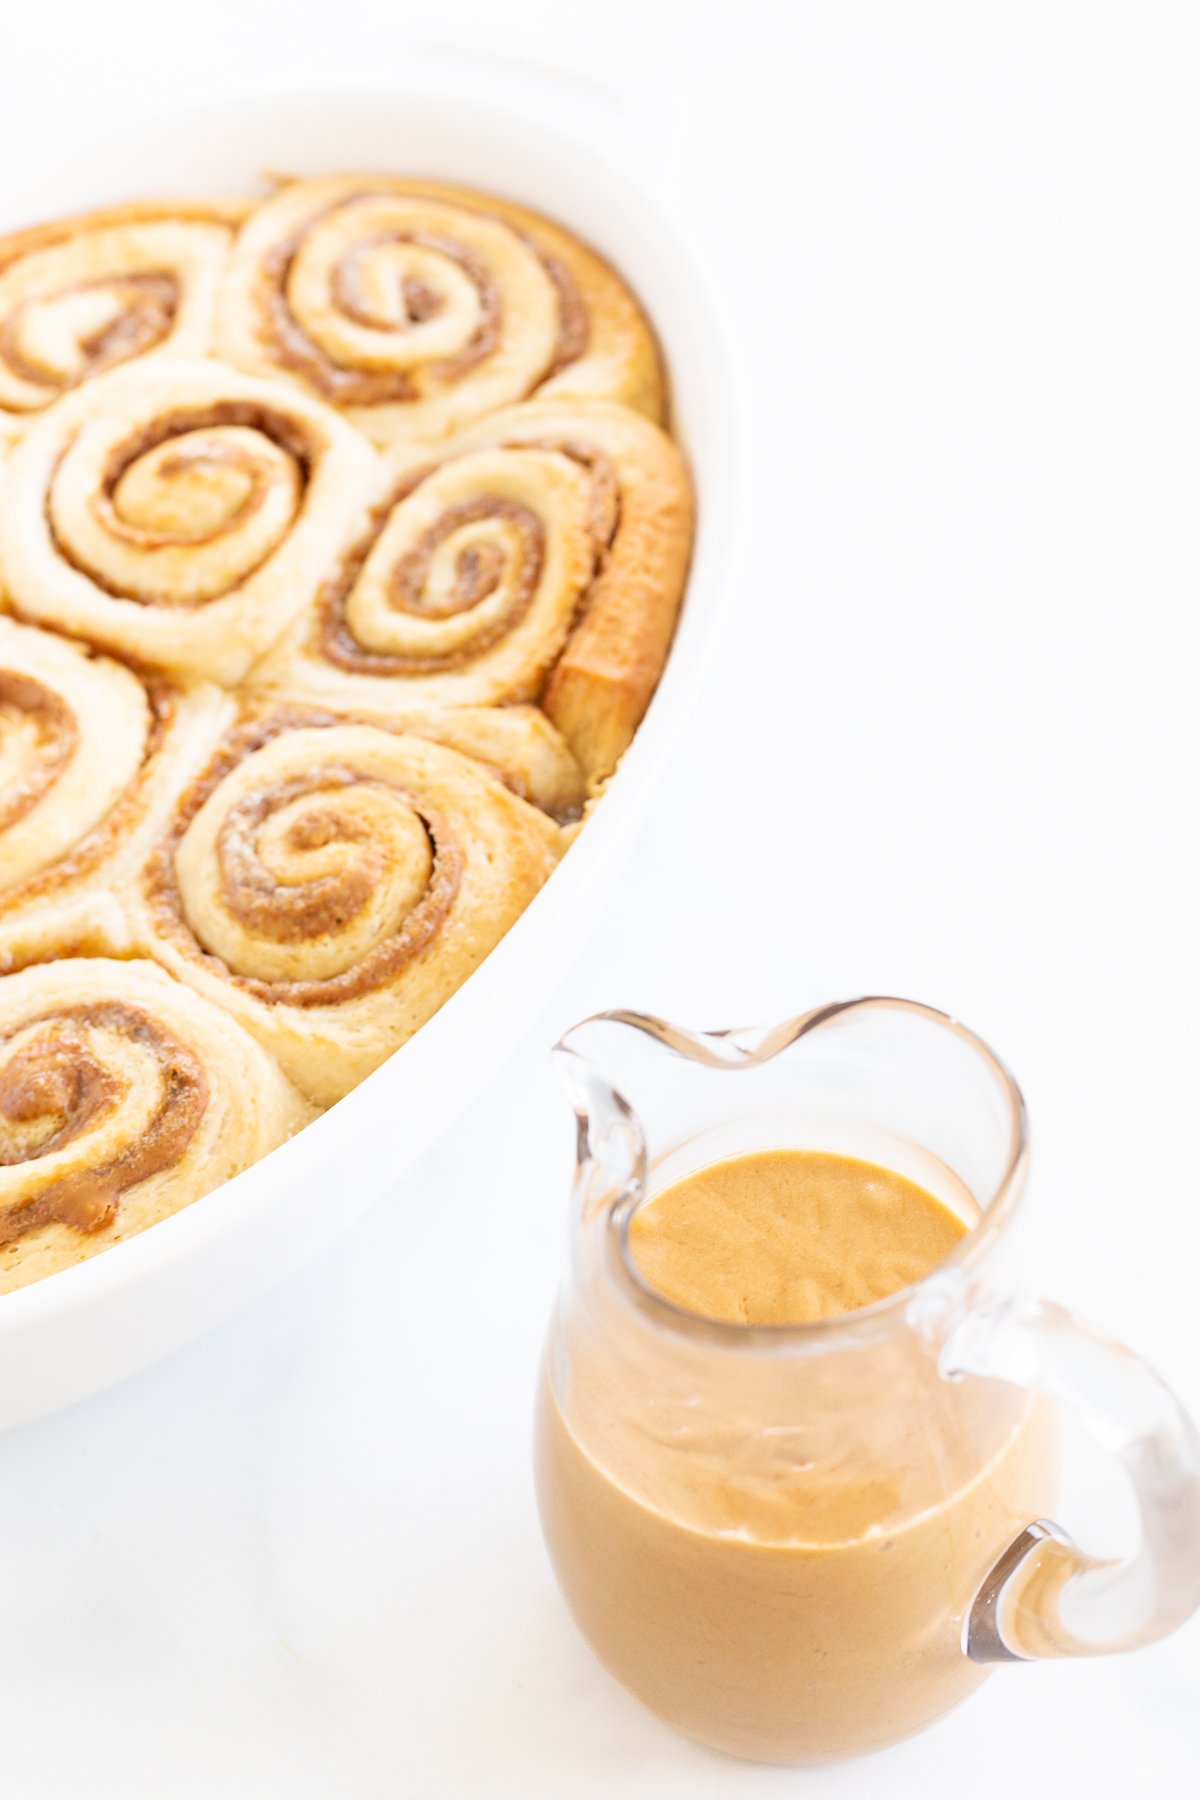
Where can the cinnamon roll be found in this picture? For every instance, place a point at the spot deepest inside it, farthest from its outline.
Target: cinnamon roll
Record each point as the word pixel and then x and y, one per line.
pixel 539 556
pixel 417 307
pixel 331 884
pixel 178 513
pixel 89 756
pixel 124 1096
pixel 80 295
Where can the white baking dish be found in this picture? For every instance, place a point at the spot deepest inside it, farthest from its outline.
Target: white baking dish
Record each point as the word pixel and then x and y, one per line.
pixel 80 1330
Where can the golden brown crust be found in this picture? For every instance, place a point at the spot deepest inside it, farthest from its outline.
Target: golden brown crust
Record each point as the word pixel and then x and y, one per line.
pixel 607 674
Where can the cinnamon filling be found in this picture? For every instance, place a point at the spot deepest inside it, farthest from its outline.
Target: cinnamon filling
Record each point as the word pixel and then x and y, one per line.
pixel 420 301
pixel 295 349
pixel 372 387
pixel 53 1080
pixel 288 913
pixel 606 485
pixel 574 327
pixel 290 435
pixel 147 307
pixel 479 572
pixel 211 454
pixel 94 845
pixel 54 737
pixel 478 569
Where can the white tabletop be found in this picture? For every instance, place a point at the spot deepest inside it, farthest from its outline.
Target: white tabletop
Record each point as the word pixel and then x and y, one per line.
pixel 949 748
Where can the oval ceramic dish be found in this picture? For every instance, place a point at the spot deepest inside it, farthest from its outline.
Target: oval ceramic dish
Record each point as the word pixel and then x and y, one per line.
pixel 90 1325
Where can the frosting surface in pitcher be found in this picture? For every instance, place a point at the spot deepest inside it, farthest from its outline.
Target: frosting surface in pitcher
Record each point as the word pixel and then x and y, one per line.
pixel 786 1237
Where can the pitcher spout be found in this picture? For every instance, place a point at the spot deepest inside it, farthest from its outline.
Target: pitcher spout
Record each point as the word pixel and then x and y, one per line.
pixel 611 1154
pixel 633 1103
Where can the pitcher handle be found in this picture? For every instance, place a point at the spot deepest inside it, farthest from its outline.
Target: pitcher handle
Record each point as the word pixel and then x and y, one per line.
pixel 1045 1597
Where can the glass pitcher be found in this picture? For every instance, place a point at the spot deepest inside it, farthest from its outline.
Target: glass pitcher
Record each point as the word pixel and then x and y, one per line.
pixel 798 1542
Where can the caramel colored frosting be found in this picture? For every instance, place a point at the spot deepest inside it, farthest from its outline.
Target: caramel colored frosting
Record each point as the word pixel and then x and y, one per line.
pixel 775 1548
pixel 786 1237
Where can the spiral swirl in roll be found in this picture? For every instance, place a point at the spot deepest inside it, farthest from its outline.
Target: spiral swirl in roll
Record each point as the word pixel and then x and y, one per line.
pixel 541 557
pixel 332 883
pixel 123 1097
pixel 179 513
pixel 88 752
pixel 418 307
pixel 82 294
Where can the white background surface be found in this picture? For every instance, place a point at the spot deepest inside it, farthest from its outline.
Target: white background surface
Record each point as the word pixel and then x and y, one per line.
pixel 949 747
